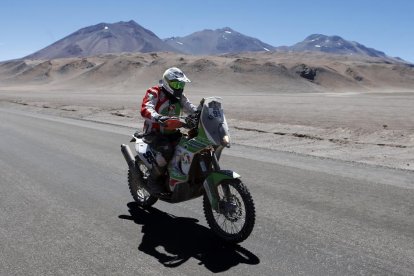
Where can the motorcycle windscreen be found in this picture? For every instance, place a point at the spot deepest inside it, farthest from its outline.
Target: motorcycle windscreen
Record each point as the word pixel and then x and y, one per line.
pixel 214 121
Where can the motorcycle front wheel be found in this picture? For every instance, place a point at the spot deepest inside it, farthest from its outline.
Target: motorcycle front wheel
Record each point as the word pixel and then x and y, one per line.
pixel 234 220
pixel 137 187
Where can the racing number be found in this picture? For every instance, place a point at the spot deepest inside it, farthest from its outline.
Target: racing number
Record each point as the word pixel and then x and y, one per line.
pixel 216 112
pixel 149 156
pixel 214 109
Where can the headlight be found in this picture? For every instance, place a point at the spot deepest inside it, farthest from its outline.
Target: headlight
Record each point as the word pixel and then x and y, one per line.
pixel 226 141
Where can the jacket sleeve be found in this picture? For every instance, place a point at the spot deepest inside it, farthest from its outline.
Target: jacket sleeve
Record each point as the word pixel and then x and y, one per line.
pixel 149 102
pixel 188 107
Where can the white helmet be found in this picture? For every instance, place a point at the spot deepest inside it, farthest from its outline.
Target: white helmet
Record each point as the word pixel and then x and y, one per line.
pixel 173 81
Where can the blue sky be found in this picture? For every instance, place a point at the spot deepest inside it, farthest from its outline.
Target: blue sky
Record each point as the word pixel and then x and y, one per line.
pixel 28 26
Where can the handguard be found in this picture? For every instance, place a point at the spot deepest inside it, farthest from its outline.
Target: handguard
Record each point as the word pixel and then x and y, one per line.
pixel 172 123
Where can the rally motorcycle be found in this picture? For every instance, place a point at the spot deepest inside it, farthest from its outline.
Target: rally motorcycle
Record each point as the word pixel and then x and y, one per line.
pixel 194 171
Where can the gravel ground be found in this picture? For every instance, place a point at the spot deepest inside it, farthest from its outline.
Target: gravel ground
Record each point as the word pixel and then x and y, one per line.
pixel 373 128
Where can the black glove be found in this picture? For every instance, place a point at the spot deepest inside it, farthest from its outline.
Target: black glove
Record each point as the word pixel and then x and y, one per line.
pixel 196 113
pixel 191 121
pixel 161 119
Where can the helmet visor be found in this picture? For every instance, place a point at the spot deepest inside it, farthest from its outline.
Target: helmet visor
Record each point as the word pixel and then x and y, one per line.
pixel 177 85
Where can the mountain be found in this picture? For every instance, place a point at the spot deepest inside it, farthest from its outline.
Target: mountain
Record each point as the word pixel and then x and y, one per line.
pixel 104 38
pixel 219 41
pixel 334 45
pixel 130 37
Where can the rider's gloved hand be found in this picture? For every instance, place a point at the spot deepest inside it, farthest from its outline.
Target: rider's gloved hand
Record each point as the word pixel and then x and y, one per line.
pixel 161 119
pixel 190 122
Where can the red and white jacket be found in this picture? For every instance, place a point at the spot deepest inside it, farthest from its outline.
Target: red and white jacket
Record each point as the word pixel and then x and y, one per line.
pixel 156 102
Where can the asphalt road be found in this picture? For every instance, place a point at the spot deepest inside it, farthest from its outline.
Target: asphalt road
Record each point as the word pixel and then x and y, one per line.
pixel 65 209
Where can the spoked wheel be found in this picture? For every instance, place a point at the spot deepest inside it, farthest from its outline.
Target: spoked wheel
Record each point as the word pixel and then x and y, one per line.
pixel 234 220
pixel 136 186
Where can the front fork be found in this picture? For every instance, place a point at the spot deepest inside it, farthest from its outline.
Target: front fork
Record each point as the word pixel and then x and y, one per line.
pixel 213 180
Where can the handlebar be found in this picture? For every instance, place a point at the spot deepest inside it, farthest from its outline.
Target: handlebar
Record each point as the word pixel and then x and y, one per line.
pixel 188 122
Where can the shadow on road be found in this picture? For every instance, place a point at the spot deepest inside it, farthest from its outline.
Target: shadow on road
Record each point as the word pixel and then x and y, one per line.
pixel 183 238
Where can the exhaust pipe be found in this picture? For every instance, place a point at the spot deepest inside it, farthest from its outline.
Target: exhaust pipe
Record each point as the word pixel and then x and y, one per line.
pixel 129 157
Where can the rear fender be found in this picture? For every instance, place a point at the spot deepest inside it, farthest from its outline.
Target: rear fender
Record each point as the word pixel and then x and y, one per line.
pixel 213 180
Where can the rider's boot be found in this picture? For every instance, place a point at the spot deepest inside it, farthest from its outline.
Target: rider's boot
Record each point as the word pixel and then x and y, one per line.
pixel 155 180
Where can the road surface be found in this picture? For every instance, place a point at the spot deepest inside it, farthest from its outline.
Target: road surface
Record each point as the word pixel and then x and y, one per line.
pixel 65 209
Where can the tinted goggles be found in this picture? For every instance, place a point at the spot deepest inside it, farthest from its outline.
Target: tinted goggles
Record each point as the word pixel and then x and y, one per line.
pixel 177 85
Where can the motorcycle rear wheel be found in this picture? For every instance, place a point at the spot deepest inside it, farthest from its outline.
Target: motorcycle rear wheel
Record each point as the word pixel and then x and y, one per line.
pixel 234 221
pixel 137 187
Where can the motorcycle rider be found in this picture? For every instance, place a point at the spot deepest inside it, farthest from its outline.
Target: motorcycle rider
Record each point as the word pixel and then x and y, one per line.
pixel 159 104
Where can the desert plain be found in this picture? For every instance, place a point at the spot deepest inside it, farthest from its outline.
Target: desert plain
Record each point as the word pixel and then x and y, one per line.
pixel 357 109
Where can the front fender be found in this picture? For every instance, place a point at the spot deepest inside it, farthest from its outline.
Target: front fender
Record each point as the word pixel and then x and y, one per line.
pixel 213 180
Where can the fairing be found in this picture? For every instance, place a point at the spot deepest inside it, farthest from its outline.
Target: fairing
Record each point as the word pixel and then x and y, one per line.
pixel 213 121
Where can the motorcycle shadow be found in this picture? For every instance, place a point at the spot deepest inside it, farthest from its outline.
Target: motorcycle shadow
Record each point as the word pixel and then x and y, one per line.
pixel 183 238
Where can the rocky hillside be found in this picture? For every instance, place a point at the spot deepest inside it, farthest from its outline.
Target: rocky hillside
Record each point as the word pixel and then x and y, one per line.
pixel 259 72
